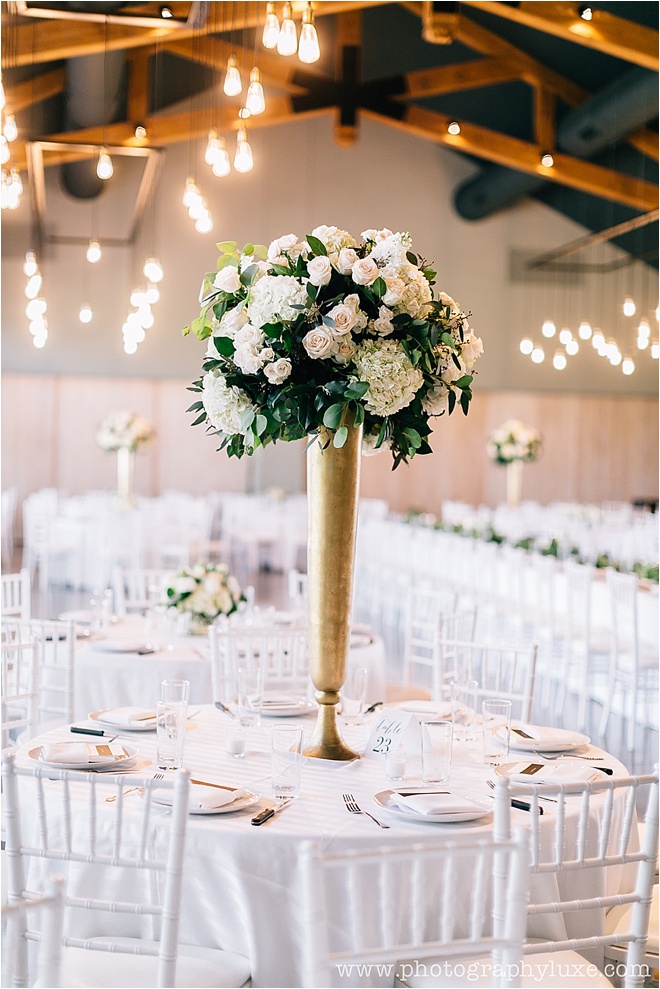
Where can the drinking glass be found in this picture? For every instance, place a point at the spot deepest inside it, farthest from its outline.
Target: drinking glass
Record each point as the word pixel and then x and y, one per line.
pixel 496 716
pixel 175 690
pixel 464 709
pixel 437 738
pixel 353 695
pixel 250 696
pixel 171 723
pixel 286 760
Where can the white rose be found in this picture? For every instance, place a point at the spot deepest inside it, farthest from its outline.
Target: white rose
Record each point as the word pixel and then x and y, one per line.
pixel 231 322
pixel 472 349
pixel 318 343
pixel 247 360
pixel 395 289
pixel 383 325
pixel 319 270
pixel 347 258
pixel 369 448
pixel 344 317
pixel 278 371
pixel 249 336
pixel 267 354
pixel 184 585
pixel 452 373
pixel 228 279
pixel 288 243
pixel 365 271
pixel 436 401
pixel 344 350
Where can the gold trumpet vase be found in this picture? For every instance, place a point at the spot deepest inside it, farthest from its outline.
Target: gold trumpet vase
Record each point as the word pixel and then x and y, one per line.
pixel 333 482
pixel 514 474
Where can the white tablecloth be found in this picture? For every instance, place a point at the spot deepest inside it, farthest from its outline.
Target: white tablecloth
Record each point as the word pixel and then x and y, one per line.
pixel 242 884
pixel 116 679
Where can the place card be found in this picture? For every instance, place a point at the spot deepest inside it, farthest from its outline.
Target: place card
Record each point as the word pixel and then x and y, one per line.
pixel 392 729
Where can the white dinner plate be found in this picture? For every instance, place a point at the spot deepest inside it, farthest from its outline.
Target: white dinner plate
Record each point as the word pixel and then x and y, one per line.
pixel 545 739
pixel 433 708
pixel 248 799
pixel 98 717
pixel 563 771
pixel 127 760
pixel 287 707
pixel 122 645
pixel 481 809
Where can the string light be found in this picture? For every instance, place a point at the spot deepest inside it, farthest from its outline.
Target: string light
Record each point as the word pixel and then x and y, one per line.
pixel 233 82
pixel 104 167
pixel 559 361
pixel 255 101
pixel 243 161
pixel 271 27
pixel 526 346
pixel 548 328
pixel 308 46
pixel 153 270
pixel 287 39
pixel 85 314
pixel 629 307
pixel 94 252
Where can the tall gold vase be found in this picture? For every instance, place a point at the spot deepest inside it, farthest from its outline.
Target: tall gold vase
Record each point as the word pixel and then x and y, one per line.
pixel 333 483
pixel 514 474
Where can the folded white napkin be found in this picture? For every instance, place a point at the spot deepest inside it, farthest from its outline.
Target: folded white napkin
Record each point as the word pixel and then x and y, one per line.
pixel 124 717
pixel 434 803
pixel 82 753
pixel 540 735
pixel 203 797
pixel 554 772
pixel 280 700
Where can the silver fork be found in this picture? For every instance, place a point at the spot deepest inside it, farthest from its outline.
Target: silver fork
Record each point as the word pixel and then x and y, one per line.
pixel 539 797
pixel 132 789
pixel 353 808
pixel 566 755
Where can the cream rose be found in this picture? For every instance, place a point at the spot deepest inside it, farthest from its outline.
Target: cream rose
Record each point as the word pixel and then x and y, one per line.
pixel 395 289
pixel 228 279
pixel 365 271
pixel 278 371
pixel 248 360
pixel 319 270
pixel 472 349
pixel 318 342
pixel 344 317
pixel 347 258
pixel 344 350
pixel 249 336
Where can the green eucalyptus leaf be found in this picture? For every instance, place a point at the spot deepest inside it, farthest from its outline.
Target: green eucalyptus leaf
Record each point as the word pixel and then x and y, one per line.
pixel 316 245
pixel 464 381
pixel 332 416
pixel 340 437
pixel 260 424
pixel 227 246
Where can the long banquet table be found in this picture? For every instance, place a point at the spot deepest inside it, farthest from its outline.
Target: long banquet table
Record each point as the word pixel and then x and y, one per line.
pixel 242 885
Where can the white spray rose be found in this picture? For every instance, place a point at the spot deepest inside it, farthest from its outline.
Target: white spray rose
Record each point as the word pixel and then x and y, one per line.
pixel 228 279
pixel 278 371
pixel 344 350
pixel 249 336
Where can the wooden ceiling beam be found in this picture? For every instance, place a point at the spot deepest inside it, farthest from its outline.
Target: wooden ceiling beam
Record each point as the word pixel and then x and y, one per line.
pixel 525 157
pixel 605 32
pixel 454 78
pixel 348 72
pixel 138 95
pixel 645 141
pixel 545 109
pixel 26 94
pixel 275 70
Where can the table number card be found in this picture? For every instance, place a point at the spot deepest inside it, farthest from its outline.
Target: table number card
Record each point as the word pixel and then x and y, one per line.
pixel 392 729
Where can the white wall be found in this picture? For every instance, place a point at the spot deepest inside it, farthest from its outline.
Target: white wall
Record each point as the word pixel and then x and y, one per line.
pixel 301 179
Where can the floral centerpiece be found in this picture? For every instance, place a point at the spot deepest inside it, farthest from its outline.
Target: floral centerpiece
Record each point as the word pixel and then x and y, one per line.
pixel 204 592
pixel 513 440
pixel 330 331
pixel 124 430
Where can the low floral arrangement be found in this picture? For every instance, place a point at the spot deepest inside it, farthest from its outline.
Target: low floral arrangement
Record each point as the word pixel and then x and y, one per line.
pixel 124 430
pixel 204 591
pixel 513 440
pixel 329 331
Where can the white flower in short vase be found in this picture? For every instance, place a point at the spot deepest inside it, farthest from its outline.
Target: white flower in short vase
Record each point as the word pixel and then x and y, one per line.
pixel 205 592
pixel 513 441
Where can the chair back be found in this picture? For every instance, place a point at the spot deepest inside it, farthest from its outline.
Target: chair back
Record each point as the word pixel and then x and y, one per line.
pixel 63 823
pixel 136 590
pixel 20 686
pixel 502 671
pixel 16 595
pixel 55 643
pixel 50 909
pixel 283 655
pixel 592 828
pixel 393 906
pixel 623 588
pixel 426 608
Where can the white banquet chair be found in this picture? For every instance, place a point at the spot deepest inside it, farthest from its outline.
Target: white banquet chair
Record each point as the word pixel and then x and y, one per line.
pixel 381 906
pixel 283 655
pixel 100 844
pixel 502 671
pixel 55 643
pixel 136 589
pixel 425 611
pixel 19 703
pixel 17 595
pixel 50 909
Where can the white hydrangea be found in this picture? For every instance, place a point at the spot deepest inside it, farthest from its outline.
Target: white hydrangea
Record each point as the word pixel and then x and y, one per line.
pixel 334 240
pixel 393 380
pixel 369 441
pixel 272 298
pixel 224 405
pixel 436 401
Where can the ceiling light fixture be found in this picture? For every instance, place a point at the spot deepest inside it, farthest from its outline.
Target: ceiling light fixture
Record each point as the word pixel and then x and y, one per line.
pixel 10 130
pixel 572 348
pixel 243 161
pixel 222 164
pixel 547 160
pixel 104 167
pixel 153 270
pixel 308 46
pixel 33 286
pixel 271 27
pixel 140 132
pixel 255 101
pixel 85 314
pixel 94 252
pixel 565 336
pixel 526 346
pixel 4 150
pixel 287 39
pixel 538 355
pixel 165 11
pixel 30 266
pixel 548 328
pixel 454 128
pixel 629 307
pixel 559 361
pixel 628 366
pixel 586 12
pixel 233 82
pixel 584 330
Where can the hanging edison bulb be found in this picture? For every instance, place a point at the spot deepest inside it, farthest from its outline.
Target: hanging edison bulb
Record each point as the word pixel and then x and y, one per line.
pixel 243 161
pixel 94 252
pixel 191 193
pixel 287 41
pixel 222 166
pixel 33 286
pixel 584 330
pixel 271 27
pixel 10 129
pixel 255 101
pixel 308 46
pixel 2 93
pixel 5 153
pixel 548 329
pixel 213 148
pixel 85 314
pixel 629 307
pixel 104 167
pixel 233 83
pixel 153 270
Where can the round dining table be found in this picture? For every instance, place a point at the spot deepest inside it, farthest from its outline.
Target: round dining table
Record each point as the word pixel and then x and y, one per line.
pixel 242 885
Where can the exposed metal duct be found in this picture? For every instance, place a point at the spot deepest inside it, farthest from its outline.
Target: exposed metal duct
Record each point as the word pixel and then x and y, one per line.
pixel 608 116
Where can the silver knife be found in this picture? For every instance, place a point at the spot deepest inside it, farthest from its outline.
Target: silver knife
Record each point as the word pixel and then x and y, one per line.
pixel 266 815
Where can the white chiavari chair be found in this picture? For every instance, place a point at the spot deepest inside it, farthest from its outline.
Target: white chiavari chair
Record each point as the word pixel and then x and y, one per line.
pixel 633 672
pixel 123 901
pixel 394 907
pixel 16 595
pixel 55 644
pixel 593 830
pixel 20 686
pixel 135 590
pixel 49 909
pixel 283 655
pixel 425 610
pixel 502 671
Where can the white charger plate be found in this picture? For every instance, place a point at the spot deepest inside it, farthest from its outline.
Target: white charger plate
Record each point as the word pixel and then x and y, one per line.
pixel 276 709
pixel 558 739
pixel 127 760
pixel 248 799
pixel 119 645
pixel 98 717
pixel 481 809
